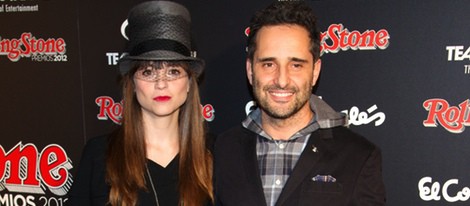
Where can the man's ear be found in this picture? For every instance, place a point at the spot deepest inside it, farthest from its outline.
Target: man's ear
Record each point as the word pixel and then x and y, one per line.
pixel 316 72
pixel 249 71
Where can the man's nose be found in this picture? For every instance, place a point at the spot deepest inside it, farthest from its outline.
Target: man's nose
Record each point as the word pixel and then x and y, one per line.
pixel 282 78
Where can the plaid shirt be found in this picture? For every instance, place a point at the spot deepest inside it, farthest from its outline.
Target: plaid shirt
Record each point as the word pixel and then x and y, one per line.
pixel 277 158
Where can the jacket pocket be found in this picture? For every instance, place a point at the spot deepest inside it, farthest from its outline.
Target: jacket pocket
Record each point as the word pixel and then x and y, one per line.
pixel 322 187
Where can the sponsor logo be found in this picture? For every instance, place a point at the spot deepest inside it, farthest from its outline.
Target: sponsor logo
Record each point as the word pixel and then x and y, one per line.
pixel 337 38
pixel 459 54
pixel 24 169
pixel 357 118
pixel 37 49
pixel 110 109
pixel 113 58
pixel 452 118
pixel 432 191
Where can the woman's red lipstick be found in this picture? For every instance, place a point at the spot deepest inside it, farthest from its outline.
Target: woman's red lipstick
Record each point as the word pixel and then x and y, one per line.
pixel 162 98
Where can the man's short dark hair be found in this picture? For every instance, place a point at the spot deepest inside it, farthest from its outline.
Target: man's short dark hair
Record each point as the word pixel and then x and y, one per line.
pixel 281 13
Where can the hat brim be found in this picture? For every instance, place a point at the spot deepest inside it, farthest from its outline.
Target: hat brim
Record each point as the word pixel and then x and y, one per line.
pixel 125 62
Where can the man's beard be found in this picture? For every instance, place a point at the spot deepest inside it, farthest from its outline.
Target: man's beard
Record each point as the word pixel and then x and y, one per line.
pixel 301 98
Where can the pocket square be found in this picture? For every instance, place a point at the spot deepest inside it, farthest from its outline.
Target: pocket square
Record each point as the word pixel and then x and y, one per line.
pixel 324 178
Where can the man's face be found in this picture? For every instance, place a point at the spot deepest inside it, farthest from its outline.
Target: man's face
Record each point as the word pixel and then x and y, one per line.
pixel 282 71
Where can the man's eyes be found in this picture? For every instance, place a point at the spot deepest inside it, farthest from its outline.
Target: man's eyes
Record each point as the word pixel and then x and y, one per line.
pixel 268 64
pixel 298 66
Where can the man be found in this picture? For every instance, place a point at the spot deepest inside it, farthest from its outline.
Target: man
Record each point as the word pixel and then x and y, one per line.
pixel 293 149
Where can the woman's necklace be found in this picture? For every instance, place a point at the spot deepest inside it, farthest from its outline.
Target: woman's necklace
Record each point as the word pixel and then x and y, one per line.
pixel 153 187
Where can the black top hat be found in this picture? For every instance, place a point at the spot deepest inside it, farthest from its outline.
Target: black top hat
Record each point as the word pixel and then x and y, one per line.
pixel 159 30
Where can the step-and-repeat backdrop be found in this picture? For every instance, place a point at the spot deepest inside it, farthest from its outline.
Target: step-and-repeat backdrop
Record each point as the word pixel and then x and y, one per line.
pixel 399 69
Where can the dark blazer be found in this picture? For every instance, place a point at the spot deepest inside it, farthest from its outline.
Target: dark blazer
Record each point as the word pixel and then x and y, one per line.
pixel 351 159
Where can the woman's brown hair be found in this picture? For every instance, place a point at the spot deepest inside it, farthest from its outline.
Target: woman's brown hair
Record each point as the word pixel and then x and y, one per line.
pixel 126 155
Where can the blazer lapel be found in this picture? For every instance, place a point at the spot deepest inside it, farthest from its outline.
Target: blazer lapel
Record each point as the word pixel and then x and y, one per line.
pixel 250 164
pixel 307 161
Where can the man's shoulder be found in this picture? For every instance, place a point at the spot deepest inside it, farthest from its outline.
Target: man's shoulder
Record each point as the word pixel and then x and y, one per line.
pixel 233 135
pixel 236 130
pixel 344 136
pixel 233 130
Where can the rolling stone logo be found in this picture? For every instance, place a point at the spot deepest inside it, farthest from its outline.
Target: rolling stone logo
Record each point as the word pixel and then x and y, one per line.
pixel 337 38
pixel 24 169
pixel 452 118
pixel 37 49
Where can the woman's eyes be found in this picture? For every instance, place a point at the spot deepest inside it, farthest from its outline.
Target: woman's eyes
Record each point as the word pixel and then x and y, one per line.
pixel 147 72
pixel 174 72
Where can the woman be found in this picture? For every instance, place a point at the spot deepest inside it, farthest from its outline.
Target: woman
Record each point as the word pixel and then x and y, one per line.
pixel 158 156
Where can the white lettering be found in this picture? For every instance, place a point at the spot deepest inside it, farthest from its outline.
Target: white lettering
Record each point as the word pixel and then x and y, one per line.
pixel 250 106
pixel 123 29
pixel 427 193
pixel 359 118
pixel 113 58
pixel 17 200
pixel 457 53
pixel 463 195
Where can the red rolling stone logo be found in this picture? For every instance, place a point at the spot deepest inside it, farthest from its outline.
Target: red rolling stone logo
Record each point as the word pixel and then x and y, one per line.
pixel 337 38
pixel 452 118
pixel 26 170
pixel 30 46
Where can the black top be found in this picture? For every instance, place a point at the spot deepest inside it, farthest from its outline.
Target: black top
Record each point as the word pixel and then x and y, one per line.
pixel 165 180
pixel 89 186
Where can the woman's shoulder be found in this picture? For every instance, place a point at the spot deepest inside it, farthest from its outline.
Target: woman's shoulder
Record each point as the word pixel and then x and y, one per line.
pixel 98 142
pixel 96 147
